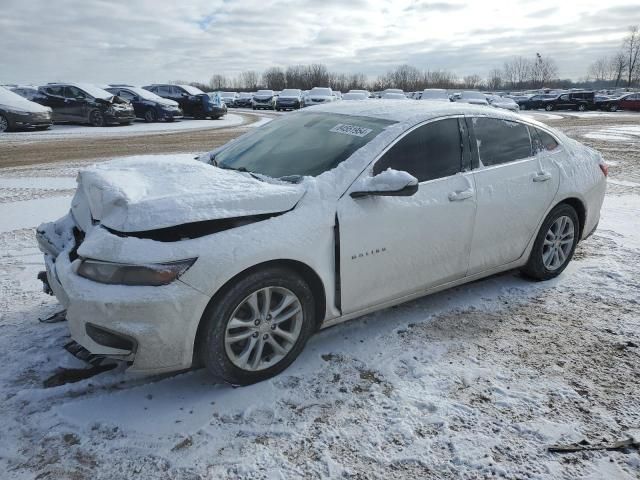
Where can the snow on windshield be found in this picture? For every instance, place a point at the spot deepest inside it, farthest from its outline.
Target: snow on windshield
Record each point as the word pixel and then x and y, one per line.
pixel 264 92
pixel 12 99
pixel 321 91
pixel 192 90
pixel 290 92
pixel 94 91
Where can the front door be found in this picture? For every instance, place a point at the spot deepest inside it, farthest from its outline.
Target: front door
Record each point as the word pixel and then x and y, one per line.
pixel 515 186
pixel 75 101
pixel 395 246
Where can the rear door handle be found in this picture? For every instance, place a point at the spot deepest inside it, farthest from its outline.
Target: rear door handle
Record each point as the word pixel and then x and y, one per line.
pixel 460 195
pixel 542 177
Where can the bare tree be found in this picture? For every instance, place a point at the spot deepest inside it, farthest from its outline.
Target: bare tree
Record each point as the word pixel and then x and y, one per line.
pixel 249 80
pixel 274 78
pixel 618 67
pixel 472 81
pixel 600 70
pixel 494 80
pixel 631 49
pixel 218 82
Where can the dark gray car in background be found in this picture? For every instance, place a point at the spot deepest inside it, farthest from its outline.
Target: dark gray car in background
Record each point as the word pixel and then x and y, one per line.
pixel 17 112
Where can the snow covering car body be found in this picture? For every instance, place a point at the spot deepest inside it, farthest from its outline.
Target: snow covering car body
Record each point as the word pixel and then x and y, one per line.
pixel 319 95
pixel 503 102
pixel 18 112
pixel 289 99
pixel 473 98
pixel 363 234
pixel 435 95
pixel 264 99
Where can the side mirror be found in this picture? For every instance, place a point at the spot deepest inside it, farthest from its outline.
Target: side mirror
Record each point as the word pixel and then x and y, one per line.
pixel 390 183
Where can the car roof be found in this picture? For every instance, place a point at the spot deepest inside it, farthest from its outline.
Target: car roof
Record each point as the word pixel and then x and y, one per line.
pixel 403 111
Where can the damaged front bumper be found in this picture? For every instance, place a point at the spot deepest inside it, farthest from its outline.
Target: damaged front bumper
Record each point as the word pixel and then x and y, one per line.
pixel 150 327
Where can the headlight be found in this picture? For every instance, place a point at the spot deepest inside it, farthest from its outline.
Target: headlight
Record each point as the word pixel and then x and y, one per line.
pixel 16 111
pixel 127 274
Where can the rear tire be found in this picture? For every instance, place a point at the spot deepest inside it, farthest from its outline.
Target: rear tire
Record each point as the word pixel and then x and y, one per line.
pixel 245 352
pixel 548 108
pixel 555 244
pixel 582 107
pixel 4 124
pixel 613 108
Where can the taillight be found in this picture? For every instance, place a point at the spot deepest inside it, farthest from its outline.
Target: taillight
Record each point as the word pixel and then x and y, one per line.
pixel 605 169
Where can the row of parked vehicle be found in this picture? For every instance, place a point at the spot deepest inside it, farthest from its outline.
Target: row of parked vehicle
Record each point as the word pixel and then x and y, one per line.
pixel 40 107
pixel 580 100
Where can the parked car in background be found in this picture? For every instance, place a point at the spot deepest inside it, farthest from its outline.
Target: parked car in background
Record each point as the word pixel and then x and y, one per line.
pixel 605 102
pixel 319 95
pixel 193 101
pixel 86 103
pixel 289 99
pixel 580 101
pixel 29 92
pixel 218 103
pixel 306 222
pixel 337 94
pixel 17 112
pixel 394 96
pixel 229 98
pixel 630 101
pixel 264 99
pixel 365 92
pixel 355 96
pixel 435 95
pixel 474 98
pixel 245 99
pixel 147 105
pixel 503 102
pixel 391 90
pixel 536 102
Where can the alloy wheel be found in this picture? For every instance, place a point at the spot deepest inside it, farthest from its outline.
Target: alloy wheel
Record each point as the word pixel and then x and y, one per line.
pixel 558 243
pixel 263 328
pixel 4 124
pixel 96 119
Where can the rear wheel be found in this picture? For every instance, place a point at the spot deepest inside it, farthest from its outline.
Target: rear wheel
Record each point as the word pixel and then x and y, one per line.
pixel 257 327
pixel 96 119
pixel 555 244
pixel 4 123
pixel 150 116
pixel 548 108
pixel 582 107
pixel 613 108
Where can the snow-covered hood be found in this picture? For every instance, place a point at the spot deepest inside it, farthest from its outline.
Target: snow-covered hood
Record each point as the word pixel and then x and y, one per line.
pixel 166 102
pixel 139 194
pixel 12 100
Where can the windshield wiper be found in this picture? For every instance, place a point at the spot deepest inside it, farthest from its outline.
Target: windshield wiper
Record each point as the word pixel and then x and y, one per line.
pixel 240 169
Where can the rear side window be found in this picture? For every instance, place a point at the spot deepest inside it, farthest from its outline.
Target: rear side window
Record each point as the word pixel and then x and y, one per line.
pixel 57 91
pixel 126 95
pixel 431 151
pixel 501 141
pixel 546 141
pixel 163 90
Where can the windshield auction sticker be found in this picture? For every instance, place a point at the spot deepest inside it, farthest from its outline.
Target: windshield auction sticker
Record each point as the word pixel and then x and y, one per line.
pixel 352 130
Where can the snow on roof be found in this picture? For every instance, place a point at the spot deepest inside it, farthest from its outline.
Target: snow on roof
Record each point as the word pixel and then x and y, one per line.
pixel 412 112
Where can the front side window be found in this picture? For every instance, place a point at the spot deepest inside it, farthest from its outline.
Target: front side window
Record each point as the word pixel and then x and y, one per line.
pixel 564 97
pixel 127 95
pixel 164 90
pixel 306 144
pixel 73 92
pixel 501 141
pixel 57 91
pixel 429 152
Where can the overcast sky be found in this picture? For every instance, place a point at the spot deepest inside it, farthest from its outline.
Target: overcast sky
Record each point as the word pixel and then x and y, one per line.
pixel 141 41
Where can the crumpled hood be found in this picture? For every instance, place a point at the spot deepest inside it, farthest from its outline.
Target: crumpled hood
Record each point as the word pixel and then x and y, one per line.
pixel 138 194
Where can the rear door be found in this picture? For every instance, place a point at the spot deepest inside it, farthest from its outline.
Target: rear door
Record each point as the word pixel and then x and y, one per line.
pixel 75 104
pixel 55 100
pixel 515 187
pixel 395 246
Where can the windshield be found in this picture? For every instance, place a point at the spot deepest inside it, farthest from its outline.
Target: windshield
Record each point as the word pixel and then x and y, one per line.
pixel 95 92
pixel 246 95
pixel 290 93
pixel 146 94
pixel 320 91
pixel 354 96
pixel 477 95
pixel 302 144
pixel 265 92
pixel 192 90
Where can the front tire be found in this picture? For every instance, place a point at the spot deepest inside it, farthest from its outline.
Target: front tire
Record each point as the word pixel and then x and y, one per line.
pixel 555 244
pixel 582 107
pixel 257 327
pixel 548 108
pixel 4 124
pixel 613 108
pixel 96 119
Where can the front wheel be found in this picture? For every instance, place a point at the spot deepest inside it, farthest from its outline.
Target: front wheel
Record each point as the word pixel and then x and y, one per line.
pixel 96 119
pixel 555 244
pixel 582 107
pixel 613 108
pixel 4 124
pixel 150 116
pixel 257 327
pixel 548 108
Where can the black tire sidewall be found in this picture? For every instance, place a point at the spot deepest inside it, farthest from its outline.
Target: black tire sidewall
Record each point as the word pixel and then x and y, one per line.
pixel 211 348
pixel 7 123
pixel 91 115
pixel 535 267
pixel 150 116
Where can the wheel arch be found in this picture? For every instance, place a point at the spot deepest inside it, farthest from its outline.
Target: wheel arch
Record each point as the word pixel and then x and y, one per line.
pixel 579 207
pixel 305 271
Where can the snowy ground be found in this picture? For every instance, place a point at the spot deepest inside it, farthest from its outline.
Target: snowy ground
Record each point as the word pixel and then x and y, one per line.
pixel 470 383
pixel 65 131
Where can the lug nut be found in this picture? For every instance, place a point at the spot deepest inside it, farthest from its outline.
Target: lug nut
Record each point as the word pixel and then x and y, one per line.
pixel 268 317
pixel 273 327
pixel 257 322
pixel 265 336
pixel 255 335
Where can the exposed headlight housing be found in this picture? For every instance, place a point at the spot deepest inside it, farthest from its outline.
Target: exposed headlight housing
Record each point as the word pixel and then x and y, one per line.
pixel 154 274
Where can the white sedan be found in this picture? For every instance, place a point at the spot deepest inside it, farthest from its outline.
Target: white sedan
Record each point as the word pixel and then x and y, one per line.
pixel 315 218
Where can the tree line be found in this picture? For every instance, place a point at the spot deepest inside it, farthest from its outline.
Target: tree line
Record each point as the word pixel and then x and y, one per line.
pixel 621 69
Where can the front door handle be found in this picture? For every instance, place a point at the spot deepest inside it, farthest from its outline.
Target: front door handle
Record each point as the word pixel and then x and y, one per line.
pixel 460 195
pixel 542 177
